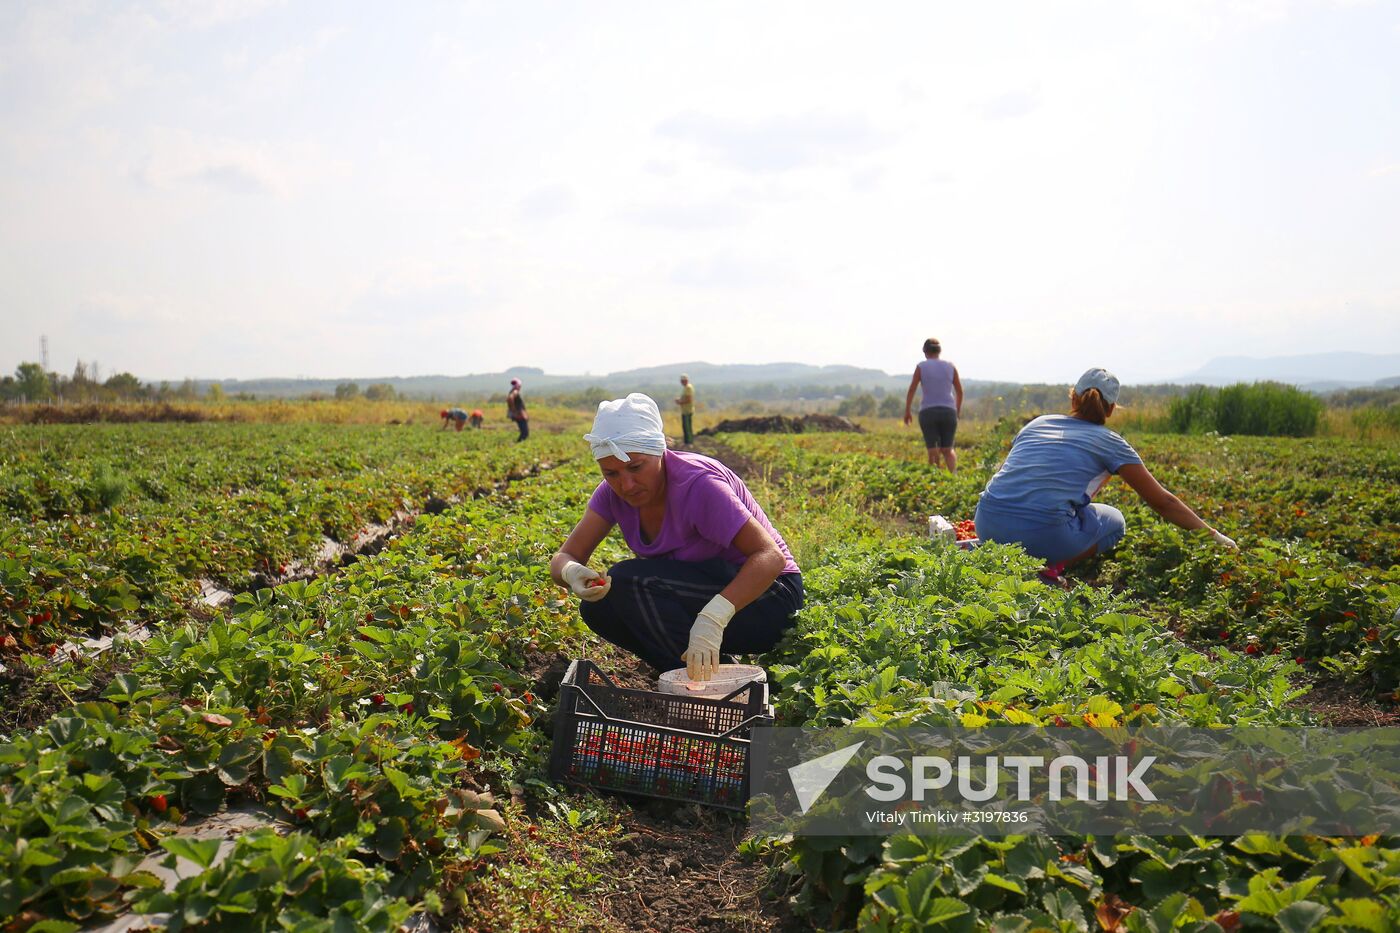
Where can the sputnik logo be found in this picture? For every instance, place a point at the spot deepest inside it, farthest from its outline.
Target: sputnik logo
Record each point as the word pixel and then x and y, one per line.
pixel 811 778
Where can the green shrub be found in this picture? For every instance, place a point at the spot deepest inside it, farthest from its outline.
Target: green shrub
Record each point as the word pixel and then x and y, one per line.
pixel 1194 412
pixel 1261 408
pixel 105 488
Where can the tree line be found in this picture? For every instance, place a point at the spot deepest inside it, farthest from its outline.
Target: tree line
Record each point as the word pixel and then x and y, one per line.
pixel 31 383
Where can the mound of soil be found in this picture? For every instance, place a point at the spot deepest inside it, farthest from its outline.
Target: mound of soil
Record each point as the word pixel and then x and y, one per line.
pixel 783 424
pixel 124 414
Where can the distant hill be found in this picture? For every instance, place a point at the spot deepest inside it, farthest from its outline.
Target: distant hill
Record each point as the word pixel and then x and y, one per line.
pixel 1319 372
pixel 756 380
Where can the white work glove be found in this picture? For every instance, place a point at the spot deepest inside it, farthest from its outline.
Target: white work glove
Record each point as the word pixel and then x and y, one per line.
pixel 579 577
pixel 702 657
pixel 1224 540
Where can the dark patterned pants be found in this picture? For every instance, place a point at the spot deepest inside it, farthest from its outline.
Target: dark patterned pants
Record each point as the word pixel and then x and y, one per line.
pixel 653 603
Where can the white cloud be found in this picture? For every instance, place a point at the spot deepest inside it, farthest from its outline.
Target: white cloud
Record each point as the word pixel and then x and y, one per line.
pixel 696 215
pixel 867 179
pixel 726 270
pixel 415 292
pixel 777 144
pixel 284 67
pixel 123 311
pixel 548 202
pixel 208 14
pixel 177 157
pixel 172 158
pixel 1017 103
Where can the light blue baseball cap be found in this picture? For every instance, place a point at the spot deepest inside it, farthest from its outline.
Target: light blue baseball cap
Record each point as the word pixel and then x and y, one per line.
pixel 1101 379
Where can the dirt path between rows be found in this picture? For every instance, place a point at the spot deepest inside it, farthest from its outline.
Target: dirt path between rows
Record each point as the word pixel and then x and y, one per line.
pixel 677 867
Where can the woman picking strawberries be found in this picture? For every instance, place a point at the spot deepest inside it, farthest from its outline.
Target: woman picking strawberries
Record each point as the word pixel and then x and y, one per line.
pixel 711 574
pixel 1040 498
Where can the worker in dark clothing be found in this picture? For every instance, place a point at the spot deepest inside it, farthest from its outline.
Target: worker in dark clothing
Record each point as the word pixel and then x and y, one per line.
pixel 515 410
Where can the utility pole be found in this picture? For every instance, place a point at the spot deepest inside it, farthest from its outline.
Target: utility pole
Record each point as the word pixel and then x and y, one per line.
pixel 44 351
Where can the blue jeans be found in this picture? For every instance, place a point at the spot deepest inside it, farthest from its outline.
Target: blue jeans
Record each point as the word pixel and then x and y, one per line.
pixel 654 601
pixel 1098 526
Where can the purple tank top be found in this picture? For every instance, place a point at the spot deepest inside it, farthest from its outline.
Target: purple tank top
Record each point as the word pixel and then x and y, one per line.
pixel 936 380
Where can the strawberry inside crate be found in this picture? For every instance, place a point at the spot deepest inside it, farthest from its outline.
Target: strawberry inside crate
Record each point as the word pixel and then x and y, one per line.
pixel 654 744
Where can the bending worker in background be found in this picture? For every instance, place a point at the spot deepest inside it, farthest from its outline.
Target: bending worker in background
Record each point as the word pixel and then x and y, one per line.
pixel 941 404
pixel 1040 498
pixel 453 416
pixel 711 574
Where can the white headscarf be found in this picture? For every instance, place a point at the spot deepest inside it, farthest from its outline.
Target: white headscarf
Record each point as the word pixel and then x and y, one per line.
pixel 631 424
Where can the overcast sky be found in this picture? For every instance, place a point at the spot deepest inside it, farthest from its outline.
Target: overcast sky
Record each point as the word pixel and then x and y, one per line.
pixel 223 189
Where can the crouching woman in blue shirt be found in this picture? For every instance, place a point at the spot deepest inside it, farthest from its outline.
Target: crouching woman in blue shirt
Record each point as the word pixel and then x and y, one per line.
pixel 1040 498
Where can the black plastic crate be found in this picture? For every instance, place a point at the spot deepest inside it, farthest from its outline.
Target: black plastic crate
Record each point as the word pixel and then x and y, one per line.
pixel 693 749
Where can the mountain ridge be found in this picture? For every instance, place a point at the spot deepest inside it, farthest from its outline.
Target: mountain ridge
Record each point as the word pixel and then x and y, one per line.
pixel 1318 372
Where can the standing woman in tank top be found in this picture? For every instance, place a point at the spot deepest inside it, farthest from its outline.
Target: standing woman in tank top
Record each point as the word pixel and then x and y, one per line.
pixel 941 405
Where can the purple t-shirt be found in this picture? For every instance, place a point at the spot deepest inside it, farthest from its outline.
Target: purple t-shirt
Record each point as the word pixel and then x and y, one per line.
pixel 706 505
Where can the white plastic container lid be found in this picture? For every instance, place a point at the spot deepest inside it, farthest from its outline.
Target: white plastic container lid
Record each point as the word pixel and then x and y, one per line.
pixel 940 527
pixel 729 678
